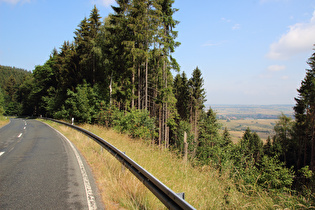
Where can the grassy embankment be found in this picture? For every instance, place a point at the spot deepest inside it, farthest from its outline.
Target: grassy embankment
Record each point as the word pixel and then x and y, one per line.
pixel 203 186
pixel 4 120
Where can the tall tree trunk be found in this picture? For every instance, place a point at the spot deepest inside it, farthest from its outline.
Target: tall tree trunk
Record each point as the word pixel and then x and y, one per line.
pixel 195 133
pixel 146 84
pixel 110 89
pixel 160 126
pixel 139 88
pixel 165 104
pixel 133 85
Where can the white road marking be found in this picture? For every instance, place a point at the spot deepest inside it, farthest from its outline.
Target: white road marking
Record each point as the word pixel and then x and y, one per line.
pixel 10 149
pixel 1 153
pixel 24 128
pixel 88 189
pixel 19 136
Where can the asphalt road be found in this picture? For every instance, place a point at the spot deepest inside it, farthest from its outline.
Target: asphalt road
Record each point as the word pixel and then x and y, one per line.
pixel 40 170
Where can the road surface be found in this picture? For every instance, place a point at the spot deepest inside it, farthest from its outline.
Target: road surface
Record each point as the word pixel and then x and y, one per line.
pixel 39 169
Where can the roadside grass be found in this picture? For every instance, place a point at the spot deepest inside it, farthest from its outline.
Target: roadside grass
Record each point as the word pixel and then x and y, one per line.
pixel 4 120
pixel 204 187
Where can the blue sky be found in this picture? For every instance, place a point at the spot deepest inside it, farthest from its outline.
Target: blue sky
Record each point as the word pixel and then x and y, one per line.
pixel 249 51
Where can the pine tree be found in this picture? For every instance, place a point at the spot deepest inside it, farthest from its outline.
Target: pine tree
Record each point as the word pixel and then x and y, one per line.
pixel 181 92
pixel 197 95
pixel 268 147
pixel 120 58
pixel 305 117
pixel 208 136
pixel 10 88
pixel 251 145
pixel 283 129
pixel 86 47
pixel 226 137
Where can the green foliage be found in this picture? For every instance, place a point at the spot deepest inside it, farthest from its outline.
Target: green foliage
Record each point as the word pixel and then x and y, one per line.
pixel 17 73
pixel 273 175
pixel 226 137
pixel 198 94
pixel 209 138
pixel 82 105
pixel 182 95
pixel 1 102
pixel 305 119
pixel 183 127
pixel 107 115
pixel 251 145
pixel 136 123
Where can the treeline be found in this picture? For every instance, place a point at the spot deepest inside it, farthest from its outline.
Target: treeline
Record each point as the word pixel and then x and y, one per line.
pixel 10 80
pixel 118 73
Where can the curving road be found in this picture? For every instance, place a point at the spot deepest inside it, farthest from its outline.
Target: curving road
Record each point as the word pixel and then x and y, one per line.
pixel 39 169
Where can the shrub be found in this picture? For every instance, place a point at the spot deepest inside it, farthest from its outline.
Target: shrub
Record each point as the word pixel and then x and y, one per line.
pixel 137 123
pixel 274 175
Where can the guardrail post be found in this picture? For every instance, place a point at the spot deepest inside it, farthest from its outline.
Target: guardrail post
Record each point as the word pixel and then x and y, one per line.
pixel 72 121
pixel 181 195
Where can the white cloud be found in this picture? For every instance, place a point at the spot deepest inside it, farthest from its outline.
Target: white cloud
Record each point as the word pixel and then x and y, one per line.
pixel 300 38
pixel 236 27
pixel 105 3
pixel 270 71
pixel 274 68
pixel 226 20
pixel 14 2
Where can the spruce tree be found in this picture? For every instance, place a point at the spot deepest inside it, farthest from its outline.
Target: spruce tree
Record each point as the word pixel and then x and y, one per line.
pixel 197 94
pixel 181 92
pixel 305 117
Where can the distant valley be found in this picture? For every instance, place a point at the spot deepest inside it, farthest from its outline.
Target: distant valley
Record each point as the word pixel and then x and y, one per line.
pixel 259 118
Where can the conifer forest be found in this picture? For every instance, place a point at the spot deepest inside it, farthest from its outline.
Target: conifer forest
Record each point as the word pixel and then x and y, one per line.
pixel 119 72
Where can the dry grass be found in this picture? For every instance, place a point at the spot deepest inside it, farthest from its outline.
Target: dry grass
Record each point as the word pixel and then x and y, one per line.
pixel 4 120
pixel 204 188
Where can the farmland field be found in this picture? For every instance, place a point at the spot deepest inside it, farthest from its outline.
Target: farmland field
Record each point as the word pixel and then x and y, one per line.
pixel 263 127
pixel 259 118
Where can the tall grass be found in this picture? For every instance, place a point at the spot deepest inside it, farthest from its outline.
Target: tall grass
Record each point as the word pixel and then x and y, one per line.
pixel 4 120
pixel 204 187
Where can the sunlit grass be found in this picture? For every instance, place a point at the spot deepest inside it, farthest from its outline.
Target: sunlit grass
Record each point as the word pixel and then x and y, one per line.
pixel 4 120
pixel 204 187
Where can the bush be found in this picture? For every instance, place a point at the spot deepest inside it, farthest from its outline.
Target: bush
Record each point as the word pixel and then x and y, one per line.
pixel 81 104
pixel 137 123
pixel 274 175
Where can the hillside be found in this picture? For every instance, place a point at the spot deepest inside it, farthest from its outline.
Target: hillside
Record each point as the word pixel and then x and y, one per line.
pixel 7 71
pixel 205 187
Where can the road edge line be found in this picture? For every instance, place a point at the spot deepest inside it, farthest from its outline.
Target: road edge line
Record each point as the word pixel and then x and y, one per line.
pixel 88 189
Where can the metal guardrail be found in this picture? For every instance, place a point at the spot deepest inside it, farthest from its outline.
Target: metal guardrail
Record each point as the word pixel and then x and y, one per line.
pixel 170 199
